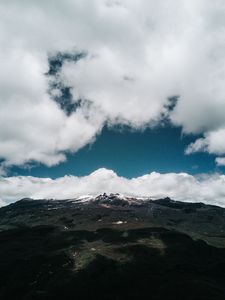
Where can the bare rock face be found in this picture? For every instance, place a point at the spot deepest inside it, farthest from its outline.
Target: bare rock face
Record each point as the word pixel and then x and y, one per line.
pixel 112 247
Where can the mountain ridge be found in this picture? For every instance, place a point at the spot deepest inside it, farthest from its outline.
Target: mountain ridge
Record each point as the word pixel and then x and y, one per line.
pixel 113 248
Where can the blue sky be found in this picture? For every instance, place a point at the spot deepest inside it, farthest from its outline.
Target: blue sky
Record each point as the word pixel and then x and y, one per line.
pixel 131 154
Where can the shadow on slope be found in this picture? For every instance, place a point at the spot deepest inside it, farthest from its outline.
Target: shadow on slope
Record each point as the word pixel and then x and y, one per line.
pixel 147 263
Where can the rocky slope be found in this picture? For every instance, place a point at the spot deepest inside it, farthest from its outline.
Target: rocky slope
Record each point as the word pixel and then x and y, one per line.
pixel 112 247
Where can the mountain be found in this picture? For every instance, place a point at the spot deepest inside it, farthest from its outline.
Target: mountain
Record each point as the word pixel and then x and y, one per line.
pixel 112 247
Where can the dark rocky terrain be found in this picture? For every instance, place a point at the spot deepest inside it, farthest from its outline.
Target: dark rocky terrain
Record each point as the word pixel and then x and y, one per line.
pixel 111 247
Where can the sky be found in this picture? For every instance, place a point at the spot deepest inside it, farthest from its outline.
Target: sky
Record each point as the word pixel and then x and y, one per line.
pixel 114 96
pixel 131 154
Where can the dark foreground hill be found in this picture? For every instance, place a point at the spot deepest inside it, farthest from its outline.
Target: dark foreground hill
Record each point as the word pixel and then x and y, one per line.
pixel 111 248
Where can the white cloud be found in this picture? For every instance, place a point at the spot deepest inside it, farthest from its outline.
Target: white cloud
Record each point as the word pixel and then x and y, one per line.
pixel 209 189
pixel 139 53
pixel 2 203
pixel 213 142
pixel 220 161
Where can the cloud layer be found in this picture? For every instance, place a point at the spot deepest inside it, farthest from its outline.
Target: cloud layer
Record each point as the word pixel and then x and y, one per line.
pixel 209 189
pixel 139 53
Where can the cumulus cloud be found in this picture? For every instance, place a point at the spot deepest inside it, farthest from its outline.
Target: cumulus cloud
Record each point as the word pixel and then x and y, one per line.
pixel 212 142
pixel 220 161
pixel 209 189
pixel 139 53
pixel 2 203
